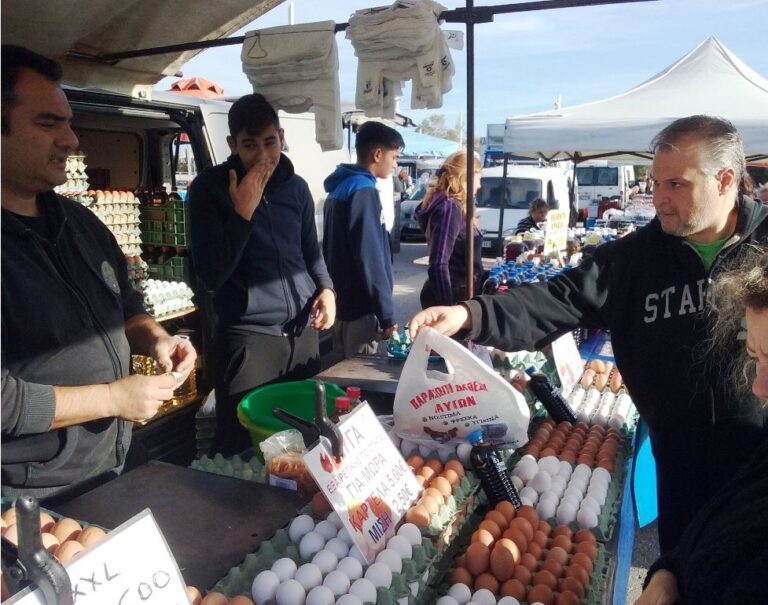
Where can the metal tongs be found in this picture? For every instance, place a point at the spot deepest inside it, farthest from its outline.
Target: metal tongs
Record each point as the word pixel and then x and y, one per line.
pixel 321 427
pixel 30 563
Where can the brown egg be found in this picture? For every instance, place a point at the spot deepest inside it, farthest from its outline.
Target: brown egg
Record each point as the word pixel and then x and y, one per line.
pixel 11 533
pixel 562 530
pixel 435 493
pixel 483 536
pixel 431 505
pixel 540 538
pixel 498 518
pixel 568 456
pixel 563 542
pixel 545 577
pixel 548 451
pixel 573 585
pixel 435 465
pixel 67 550
pixel 522 573
pixel 461 561
pixel 616 382
pixel 193 596
pixel 66 529
pixel 587 459
pixel 601 381
pixel 553 567
pixel 586 378
pixel 415 462
pixel 596 428
pixel 524 525
pixel 581 559
pixel 558 554
pixel 574 570
pixel 90 535
pixel 518 537
pixel 240 600
pixel 544 527
pixel 418 515
pixel 529 561
pixel 487 580
pixel 567 598
pixel 427 473
pixel 528 512
pixel 504 557
pixel 456 467
pixel 533 450
pixel 598 365
pixel 50 543
pixel 492 528
pixel 588 549
pixel 513 588
pixel 459 575
pixel 46 521
pixel 584 535
pixel 9 516
pixel 541 593
pixel 588 448
pixel 478 558
pixel 507 509
pixel 442 485
pixel 420 480
pixel 606 463
pixel 549 423
pixel 536 550
pixel 452 477
pixel 215 598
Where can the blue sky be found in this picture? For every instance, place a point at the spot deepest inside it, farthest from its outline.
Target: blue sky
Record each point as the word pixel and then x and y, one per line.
pixel 523 61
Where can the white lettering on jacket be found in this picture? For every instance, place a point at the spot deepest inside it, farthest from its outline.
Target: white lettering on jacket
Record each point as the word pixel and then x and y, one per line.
pixel 669 303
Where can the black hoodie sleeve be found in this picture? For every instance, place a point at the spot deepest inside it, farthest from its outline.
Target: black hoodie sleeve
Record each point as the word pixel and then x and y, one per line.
pixel 310 246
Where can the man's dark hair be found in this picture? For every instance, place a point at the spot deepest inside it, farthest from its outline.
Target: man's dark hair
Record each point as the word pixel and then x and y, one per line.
pixel 538 204
pixel 251 113
pixel 375 134
pixel 14 59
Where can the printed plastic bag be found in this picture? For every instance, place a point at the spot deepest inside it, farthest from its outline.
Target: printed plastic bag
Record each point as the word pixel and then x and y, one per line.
pixel 432 406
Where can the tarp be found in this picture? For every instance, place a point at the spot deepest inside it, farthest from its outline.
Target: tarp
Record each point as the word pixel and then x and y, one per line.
pixel 57 29
pixel 708 80
pixel 419 145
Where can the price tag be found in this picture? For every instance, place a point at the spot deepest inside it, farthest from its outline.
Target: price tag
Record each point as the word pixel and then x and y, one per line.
pixel 132 565
pixel 556 231
pixel 567 361
pixel 372 487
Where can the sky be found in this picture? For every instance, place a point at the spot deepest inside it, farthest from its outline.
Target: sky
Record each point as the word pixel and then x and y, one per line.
pixel 524 61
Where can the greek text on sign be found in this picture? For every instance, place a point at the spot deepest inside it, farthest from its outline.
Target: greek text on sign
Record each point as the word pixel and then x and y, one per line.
pixel 132 565
pixel 556 231
pixel 372 487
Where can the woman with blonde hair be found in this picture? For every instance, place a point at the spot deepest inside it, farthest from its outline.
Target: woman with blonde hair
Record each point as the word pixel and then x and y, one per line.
pixel 443 218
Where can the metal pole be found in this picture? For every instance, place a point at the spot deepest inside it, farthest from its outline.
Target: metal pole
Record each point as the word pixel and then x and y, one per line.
pixel 470 149
pixel 502 207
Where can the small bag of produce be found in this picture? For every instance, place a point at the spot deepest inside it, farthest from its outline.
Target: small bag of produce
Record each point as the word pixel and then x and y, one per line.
pixel 283 453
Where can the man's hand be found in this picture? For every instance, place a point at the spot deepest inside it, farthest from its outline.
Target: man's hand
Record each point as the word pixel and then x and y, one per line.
pixel 661 590
pixel 386 333
pixel 137 398
pixel 247 195
pixel 176 354
pixel 323 310
pixel 446 320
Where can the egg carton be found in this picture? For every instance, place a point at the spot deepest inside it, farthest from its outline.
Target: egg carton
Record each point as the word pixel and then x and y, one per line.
pixel 248 470
pixel 460 503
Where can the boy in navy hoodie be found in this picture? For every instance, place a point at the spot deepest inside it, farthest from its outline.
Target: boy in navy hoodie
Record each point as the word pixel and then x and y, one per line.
pixel 356 244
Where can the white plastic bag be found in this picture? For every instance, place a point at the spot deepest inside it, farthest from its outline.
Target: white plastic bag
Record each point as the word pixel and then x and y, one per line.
pixel 432 406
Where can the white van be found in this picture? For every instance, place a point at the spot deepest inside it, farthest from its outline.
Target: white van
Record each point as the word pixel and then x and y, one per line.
pixel 525 183
pixel 598 179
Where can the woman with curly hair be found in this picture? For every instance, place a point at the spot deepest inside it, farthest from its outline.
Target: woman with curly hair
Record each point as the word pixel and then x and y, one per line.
pixel 722 556
pixel 443 217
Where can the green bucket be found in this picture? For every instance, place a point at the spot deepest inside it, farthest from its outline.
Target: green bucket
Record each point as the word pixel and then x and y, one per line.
pixel 298 398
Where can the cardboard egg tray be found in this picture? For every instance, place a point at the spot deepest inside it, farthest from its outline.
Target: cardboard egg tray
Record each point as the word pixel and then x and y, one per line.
pixel 248 470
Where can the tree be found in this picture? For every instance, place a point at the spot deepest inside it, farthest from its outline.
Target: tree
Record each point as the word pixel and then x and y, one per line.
pixel 435 125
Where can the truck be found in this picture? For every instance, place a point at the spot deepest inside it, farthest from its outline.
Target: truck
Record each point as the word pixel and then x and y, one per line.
pixel 600 180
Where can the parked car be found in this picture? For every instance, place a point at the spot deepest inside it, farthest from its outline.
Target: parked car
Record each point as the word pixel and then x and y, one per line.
pixel 410 226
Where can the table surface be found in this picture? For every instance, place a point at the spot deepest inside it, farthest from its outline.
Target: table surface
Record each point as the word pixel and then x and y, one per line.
pixel 209 521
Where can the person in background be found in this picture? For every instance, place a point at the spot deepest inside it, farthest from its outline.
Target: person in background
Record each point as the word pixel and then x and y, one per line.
pixel 537 213
pixel 70 318
pixel 356 243
pixel 722 555
pixel 255 247
pixel 442 216
pixel 762 193
pixel 406 181
pixel 649 288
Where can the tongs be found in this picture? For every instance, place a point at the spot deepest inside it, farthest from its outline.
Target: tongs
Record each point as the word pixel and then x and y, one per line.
pixel 30 563
pixel 321 427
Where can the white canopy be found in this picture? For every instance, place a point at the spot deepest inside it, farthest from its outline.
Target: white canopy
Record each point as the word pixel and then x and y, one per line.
pixel 709 80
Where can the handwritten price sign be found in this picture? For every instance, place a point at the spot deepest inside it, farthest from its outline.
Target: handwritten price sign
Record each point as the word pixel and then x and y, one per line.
pixel 556 231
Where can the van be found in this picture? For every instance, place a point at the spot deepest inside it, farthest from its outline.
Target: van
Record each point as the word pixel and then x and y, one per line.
pixel 598 179
pixel 525 183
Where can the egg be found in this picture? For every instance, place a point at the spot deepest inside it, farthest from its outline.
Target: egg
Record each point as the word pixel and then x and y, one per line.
pixel 320 505
pixel 455 466
pixel 284 568
pixel 401 546
pixel 452 477
pixel 264 586
pixel 418 515
pixel 299 527
pixel 484 597
pixel 447 600
pixel 541 481
pixel 290 592
pixel 91 535
pixel 240 600
pixel 541 593
pixel 355 553
pixel 442 485
pixel 344 536
pixel 193 596
pixel 338 582
pixel 320 595
pixel 529 496
pixel 513 588
pixel 566 513
pixel 573 585
pixel 338 547
pixel 588 548
pixel 505 555
pixel 478 557
pixel 586 518
pixel 50 543
pixel 460 575
pixel 66 529
pixel 351 567
pixel 311 544
pixel 326 529
pixel 508 601
pixel 391 559
pixel 380 574
pixel 463 450
pixel 46 521
pixel 461 593
pixel 326 561
pixel 507 509
pixel 410 532
pixel 67 550
pixel 435 494
pixel 11 533
pixel 591 503
pixel 546 508
pixel 215 598
pixel 584 561
pixel 364 589
pixel 523 574
pixel 349 599
pixel 9 516
pixel 308 575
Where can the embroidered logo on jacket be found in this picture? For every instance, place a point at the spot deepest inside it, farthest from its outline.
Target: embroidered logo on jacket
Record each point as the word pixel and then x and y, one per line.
pixel 108 273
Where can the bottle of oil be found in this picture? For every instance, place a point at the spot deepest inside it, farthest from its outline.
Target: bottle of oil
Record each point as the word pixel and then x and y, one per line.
pixel 550 397
pixel 492 471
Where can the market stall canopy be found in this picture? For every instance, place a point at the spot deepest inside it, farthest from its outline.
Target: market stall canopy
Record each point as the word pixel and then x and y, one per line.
pixel 62 29
pixel 708 80
pixel 419 145
pixel 198 87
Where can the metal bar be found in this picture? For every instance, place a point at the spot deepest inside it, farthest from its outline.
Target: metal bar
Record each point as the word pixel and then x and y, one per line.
pixel 470 238
pixel 502 206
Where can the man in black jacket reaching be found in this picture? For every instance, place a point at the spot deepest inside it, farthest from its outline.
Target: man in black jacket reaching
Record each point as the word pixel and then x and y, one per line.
pixel 649 289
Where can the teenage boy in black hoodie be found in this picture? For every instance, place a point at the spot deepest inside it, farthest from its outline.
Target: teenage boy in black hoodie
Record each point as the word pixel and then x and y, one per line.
pixel 254 244
pixel 356 243
pixel 649 289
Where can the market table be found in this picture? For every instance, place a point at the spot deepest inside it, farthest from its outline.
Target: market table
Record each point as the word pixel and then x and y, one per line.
pixel 209 521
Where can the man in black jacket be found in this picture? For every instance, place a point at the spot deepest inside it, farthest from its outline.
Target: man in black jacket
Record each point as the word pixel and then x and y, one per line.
pixel 70 317
pixel 255 246
pixel 649 289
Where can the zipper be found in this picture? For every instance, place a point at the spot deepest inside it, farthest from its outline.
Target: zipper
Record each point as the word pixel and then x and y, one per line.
pixel 283 283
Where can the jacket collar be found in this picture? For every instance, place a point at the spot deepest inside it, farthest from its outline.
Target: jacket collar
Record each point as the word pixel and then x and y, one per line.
pixel 53 210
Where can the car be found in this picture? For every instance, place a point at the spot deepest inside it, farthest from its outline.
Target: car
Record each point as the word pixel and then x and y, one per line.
pixel 409 224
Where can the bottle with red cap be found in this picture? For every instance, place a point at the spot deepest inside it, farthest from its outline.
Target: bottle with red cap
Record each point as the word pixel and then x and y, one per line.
pixel 354 396
pixel 340 409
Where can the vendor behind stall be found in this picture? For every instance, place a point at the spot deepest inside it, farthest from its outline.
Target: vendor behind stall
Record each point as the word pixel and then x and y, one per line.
pixel 70 317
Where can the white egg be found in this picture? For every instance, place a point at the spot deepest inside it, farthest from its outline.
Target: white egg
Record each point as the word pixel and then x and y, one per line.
pixel 320 595
pixel 410 532
pixel 345 537
pixel 546 508
pixel 529 494
pixel 326 561
pixel 300 526
pixel 264 586
pixel 334 518
pixel 444 453
pixel 551 464
pixel 577 483
pixel 448 601
pixel 460 592
pixel 355 553
pixel 574 492
pixel 380 574
pixel 598 493
pixel 364 589
pixel 401 546
pixel 311 544
pixel 591 503
pixel 508 601
pixel 349 599
pixel 564 471
pixel 517 482
pixel 326 529
pixel 463 450
pixel 600 471
pixel 558 484
pixel 290 592
pixel 549 496
pixel 583 470
pixel 484 597
pixel 541 481
pixel 285 568
pixel 571 501
pixel 351 567
pixel 338 582
pixel 566 513
pixel 586 518
pixel 391 559
pixel 338 547
pixel 527 468
pixel 525 501
pixel 309 576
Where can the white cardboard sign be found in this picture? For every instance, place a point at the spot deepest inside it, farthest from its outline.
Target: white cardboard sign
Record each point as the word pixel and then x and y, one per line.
pixel 372 487
pixel 567 361
pixel 556 231
pixel 132 565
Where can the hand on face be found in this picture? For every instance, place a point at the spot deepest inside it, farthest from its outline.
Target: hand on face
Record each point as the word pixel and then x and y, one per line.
pixel 247 195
